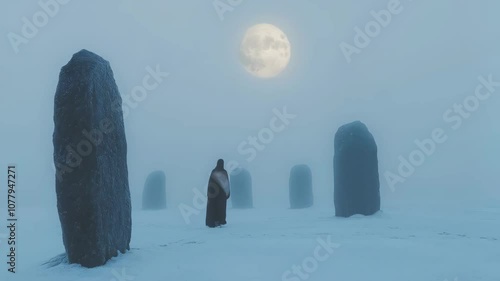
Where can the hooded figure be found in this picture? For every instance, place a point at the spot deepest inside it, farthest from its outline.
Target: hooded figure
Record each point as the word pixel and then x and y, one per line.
pixel 218 193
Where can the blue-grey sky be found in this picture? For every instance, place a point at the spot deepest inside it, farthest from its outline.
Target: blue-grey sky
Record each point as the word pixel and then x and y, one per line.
pixel 427 59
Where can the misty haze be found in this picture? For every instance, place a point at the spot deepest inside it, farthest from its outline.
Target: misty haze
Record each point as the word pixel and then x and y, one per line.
pixel 250 140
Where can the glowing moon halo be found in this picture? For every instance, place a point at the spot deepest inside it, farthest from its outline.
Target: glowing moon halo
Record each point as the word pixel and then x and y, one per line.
pixel 265 51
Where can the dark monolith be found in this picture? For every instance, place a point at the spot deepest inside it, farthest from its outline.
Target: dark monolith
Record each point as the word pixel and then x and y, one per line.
pixel 90 155
pixel 154 196
pixel 357 186
pixel 301 194
pixel 241 189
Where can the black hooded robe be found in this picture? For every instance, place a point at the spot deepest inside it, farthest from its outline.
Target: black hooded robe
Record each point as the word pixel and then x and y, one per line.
pixel 217 194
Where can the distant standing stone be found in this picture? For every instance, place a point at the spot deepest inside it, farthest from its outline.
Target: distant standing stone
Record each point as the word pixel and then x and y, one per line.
pixel 241 188
pixel 154 196
pixel 90 155
pixel 357 186
pixel 301 194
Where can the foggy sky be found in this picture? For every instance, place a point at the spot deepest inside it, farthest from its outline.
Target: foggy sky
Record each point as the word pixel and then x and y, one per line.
pixel 426 60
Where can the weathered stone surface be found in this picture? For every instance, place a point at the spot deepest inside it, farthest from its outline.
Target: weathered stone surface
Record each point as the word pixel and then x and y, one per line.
pixel 241 189
pixel 301 194
pixel 357 186
pixel 90 154
pixel 154 196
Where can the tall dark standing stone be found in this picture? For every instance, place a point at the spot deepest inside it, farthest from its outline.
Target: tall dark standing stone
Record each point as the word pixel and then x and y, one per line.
pixel 154 196
pixel 357 186
pixel 90 154
pixel 241 189
pixel 301 194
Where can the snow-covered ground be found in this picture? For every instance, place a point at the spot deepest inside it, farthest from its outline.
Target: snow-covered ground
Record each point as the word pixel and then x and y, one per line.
pixel 398 244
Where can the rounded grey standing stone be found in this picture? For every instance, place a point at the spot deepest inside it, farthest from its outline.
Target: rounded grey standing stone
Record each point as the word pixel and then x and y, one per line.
pixel 241 189
pixel 154 196
pixel 357 186
pixel 90 155
pixel 301 194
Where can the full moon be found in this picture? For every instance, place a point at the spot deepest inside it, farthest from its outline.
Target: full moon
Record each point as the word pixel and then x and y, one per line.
pixel 265 51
